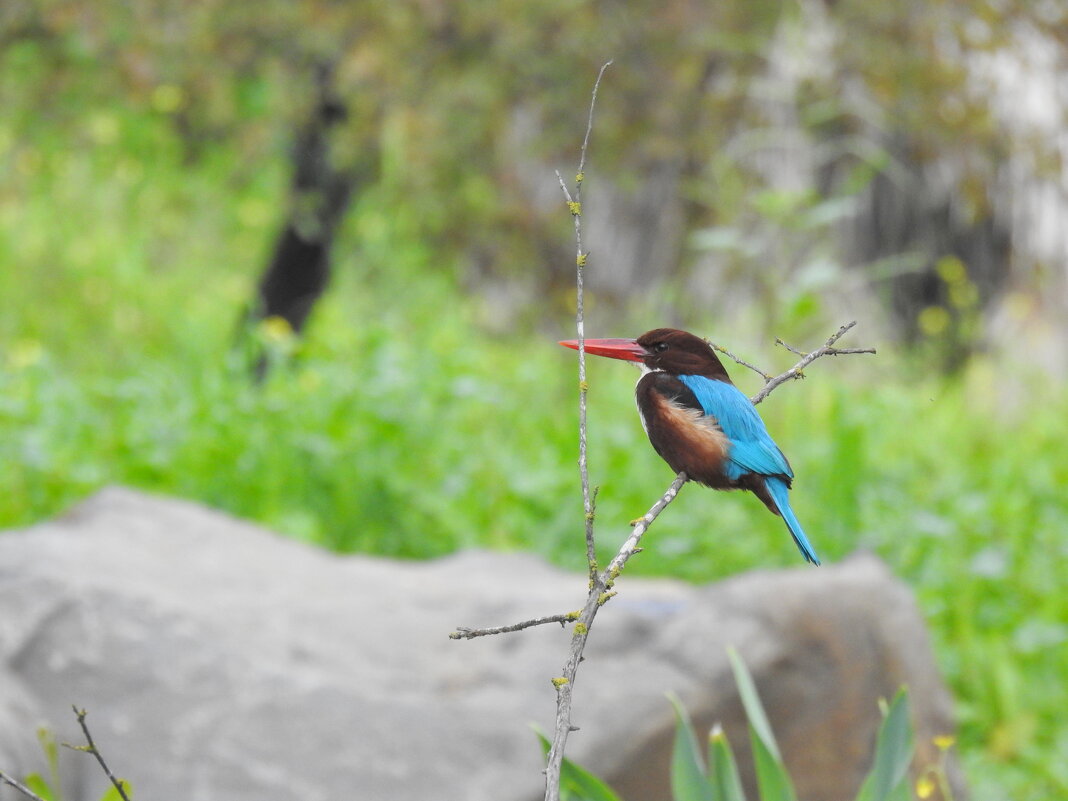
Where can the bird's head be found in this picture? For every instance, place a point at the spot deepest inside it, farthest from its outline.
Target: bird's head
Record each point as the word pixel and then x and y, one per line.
pixel 668 349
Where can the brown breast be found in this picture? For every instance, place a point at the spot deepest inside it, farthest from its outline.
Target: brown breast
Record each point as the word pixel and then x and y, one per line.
pixel 687 440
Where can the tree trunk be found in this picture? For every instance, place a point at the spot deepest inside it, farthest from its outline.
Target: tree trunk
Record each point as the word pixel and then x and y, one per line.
pixel 299 269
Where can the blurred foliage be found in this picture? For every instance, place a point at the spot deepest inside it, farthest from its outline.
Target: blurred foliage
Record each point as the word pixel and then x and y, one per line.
pixel 401 428
pixel 143 152
pixel 750 108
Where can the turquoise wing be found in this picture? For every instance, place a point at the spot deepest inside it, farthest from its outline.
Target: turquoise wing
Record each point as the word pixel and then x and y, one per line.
pixel 752 448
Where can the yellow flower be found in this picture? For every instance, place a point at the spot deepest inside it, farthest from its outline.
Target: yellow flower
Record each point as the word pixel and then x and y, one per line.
pixel 925 786
pixel 944 741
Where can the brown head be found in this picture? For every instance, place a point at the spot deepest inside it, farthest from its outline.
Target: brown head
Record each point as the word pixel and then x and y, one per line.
pixel 668 349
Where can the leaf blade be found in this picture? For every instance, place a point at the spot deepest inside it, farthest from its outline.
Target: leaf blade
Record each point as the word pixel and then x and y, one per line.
pixel 894 747
pixel 688 780
pixel 722 768
pixel 754 709
pixel 772 778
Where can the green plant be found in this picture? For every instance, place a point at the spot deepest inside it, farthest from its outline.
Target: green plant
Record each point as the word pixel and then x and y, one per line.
pixel 37 788
pixel 51 792
pixel 714 776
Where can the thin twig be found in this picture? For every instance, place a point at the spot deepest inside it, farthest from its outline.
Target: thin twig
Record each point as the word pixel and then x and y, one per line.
pixel 589 611
pixel 742 362
pixel 790 348
pixel 463 633
pixel 90 748
pixel 574 205
pixel 827 349
pixel 641 525
pixel 22 788
pixel 600 593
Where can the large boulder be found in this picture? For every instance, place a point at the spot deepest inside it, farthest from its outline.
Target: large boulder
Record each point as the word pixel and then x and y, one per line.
pixel 220 661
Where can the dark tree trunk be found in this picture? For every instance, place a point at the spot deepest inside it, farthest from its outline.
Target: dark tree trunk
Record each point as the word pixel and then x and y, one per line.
pixel 299 269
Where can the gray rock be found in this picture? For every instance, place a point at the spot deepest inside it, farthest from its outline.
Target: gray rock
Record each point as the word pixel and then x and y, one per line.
pixel 220 661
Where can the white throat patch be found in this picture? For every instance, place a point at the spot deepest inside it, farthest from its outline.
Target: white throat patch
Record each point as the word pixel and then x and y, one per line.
pixel 645 370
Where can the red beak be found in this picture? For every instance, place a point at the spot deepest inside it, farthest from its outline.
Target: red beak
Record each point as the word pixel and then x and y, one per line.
pixel 626 349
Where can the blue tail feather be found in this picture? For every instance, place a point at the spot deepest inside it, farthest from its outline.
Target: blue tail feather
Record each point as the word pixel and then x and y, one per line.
pixel 781 495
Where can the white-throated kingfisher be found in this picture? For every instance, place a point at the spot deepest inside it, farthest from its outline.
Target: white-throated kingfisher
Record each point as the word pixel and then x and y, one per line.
pixel 700 423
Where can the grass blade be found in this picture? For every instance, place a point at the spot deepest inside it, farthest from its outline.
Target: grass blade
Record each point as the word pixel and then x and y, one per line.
pixel 754 710
pixel 51 751
pixel 772 778
pixel 688 782
pixel 894 747
pixel 39 786
pixel 722 769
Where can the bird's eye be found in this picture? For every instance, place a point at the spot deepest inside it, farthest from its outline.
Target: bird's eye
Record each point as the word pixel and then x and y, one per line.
pixel 660 347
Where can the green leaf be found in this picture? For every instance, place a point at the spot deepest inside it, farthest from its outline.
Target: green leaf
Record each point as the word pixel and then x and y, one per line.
pixel 39 786
pixel 113 794
pixel 722 769
pixel 576 783
pixel 51 751
pixel 772 778
pixel 754 710
pixel 688 782
pixel 894 747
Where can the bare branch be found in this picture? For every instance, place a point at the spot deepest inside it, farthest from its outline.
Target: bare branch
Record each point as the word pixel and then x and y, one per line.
pixel 743 363
pixel 574 204
pixel 600 593
pixel 827 349
pixel 463 633
pixel 641 525
pixel 589 611
pixel 22 788
pixel 790 347
pixel 90 748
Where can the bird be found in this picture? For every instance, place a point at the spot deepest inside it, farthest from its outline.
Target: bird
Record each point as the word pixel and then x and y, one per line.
pixel 701 424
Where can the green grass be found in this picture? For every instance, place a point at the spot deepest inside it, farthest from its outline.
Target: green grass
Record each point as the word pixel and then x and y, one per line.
pixel 405 429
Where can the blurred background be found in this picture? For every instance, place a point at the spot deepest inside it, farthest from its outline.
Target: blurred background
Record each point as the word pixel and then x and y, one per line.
pixel 308 262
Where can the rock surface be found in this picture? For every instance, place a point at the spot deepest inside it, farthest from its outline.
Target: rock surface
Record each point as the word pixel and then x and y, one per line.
pixel 220 661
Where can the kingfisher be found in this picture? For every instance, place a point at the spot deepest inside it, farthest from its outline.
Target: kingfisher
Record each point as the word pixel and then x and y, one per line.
pixel 700 423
